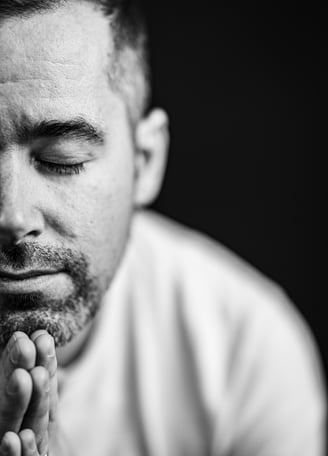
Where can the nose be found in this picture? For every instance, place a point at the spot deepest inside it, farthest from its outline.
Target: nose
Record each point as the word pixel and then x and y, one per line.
pixel 19 219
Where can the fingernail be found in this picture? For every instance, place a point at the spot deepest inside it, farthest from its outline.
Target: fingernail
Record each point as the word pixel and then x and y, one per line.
pixel 51 351
pixel 12 387
pixel 14 354
pixel 47 387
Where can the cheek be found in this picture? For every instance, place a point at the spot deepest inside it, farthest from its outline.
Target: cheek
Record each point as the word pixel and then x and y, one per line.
pixel 106 228
pixel 93 216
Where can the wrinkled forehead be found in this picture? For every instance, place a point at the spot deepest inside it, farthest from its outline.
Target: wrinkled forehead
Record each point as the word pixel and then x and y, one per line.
pixel 60 56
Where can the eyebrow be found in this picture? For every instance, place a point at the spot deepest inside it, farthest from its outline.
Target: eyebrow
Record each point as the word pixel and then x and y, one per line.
pixel 76 129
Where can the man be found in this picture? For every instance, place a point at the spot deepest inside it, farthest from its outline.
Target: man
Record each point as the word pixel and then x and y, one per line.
pixel 121 333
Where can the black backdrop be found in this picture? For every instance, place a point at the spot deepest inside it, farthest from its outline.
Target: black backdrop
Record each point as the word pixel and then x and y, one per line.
pixel 241 89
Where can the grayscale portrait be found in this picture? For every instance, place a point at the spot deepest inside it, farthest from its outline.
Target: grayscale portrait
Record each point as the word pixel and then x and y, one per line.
pixel 157 280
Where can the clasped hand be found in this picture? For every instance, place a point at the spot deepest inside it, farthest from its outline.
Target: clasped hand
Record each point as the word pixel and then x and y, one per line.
pixel 28 394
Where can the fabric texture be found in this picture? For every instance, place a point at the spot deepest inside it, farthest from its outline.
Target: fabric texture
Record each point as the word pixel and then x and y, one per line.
pixel 194 353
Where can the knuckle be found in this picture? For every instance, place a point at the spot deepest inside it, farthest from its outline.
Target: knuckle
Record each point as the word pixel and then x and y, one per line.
pixel 41 382
pixel 40 375
pixel 40 415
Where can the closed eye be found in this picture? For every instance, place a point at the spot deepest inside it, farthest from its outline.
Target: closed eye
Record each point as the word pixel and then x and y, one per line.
pixel 60 168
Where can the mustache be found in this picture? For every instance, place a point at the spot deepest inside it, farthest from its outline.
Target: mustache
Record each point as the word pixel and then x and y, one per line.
pixel 36 256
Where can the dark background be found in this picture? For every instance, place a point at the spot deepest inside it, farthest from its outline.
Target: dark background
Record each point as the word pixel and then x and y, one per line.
pixel 241 87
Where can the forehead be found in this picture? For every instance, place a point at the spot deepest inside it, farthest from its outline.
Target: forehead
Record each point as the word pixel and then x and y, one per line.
pixel 55 63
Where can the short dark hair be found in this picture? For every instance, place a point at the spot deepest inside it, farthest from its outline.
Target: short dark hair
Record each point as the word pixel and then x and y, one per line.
pixel 130 71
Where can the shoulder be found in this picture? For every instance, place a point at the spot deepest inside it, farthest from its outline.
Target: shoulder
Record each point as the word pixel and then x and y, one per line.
pixel 190 258
pixel 220 293
pixel 252 351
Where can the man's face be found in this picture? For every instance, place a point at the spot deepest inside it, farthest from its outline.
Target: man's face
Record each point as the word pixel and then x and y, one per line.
pixel 66 171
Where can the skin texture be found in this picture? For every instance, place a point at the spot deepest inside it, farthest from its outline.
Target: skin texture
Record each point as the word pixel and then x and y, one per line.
pixel 28 394
pixel 63 76
pixel 54 67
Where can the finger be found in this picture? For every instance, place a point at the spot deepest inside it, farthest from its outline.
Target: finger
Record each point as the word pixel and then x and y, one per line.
pixel 45 351
pixel 15 400
pixel 10 445
pixel 28 443
pixel 37 415
pixel 46 356
pixel 20 352
pixel 15 382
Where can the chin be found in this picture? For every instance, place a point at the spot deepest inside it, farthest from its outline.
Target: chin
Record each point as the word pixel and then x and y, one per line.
pixel 62 319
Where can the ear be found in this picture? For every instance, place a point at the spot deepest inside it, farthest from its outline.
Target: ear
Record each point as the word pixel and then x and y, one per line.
pixel 152 142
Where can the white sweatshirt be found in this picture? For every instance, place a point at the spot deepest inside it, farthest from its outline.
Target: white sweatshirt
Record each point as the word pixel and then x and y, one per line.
pixel 194 354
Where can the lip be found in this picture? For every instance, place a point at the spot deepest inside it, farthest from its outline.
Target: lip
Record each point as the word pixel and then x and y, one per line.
pixel 23 282
pixel 24 275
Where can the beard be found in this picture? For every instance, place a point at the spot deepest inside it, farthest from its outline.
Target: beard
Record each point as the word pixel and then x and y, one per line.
pixel 63 316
